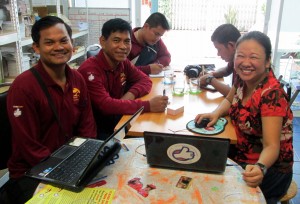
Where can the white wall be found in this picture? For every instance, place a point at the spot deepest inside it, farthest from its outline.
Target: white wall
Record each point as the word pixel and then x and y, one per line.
pixel 103 3
pixel 283 28
pixel 290 16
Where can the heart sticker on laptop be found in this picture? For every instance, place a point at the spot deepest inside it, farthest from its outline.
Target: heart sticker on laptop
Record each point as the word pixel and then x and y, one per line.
pixel 216 129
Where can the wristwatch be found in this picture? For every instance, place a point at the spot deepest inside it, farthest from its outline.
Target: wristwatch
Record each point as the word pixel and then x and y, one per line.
pixel 208 79
pixel 262 167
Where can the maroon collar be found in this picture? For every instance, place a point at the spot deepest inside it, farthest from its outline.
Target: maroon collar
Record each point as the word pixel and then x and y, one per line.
pixel 47 79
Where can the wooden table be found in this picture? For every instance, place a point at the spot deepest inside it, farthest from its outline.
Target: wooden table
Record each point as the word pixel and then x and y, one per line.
pixel 204 102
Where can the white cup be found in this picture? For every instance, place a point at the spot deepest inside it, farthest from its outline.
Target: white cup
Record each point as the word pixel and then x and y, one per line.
pixel 194 84
pixel 179 86
pixel 168 77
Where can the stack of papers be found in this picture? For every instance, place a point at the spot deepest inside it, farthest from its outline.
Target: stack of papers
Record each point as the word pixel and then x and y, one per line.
pixel 161 74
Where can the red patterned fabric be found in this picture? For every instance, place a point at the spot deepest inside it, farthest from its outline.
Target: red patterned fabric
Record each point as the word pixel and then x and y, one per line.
pixel 268 99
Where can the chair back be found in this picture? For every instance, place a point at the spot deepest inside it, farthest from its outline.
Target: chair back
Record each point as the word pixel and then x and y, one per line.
pixel 287 88
pixel 92 50
pixel 5 128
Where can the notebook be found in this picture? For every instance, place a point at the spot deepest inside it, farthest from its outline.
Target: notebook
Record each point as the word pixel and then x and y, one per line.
pixel 74 164
pixel 186 152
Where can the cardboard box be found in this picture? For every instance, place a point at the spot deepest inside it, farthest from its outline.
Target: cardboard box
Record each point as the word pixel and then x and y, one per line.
pixel 175 109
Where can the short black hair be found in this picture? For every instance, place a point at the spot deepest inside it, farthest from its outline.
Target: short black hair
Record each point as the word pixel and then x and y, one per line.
pixel 158 19
pixel 114 25
pixel 47 22
pixel 260 38
pixel 225 33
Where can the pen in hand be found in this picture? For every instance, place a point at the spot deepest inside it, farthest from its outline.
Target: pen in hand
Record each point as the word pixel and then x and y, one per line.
pixel 164 94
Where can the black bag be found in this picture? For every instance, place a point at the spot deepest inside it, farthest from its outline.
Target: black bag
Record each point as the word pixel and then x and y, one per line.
pixel 5 132
pixel 147 55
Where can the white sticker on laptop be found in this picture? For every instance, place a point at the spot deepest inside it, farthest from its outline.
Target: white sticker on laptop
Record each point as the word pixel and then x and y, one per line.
pixel 77 142
pixel 183 153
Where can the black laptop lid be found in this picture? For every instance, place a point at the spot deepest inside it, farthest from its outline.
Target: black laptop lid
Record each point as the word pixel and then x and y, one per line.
pixel 187 152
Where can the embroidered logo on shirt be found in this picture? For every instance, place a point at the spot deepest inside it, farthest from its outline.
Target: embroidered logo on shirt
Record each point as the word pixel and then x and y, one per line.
pixel 17 112
pixel 122 78
pixel 76 95
pixel 91 77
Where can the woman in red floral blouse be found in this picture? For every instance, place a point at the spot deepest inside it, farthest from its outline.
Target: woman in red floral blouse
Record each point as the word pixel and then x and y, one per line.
pixel 259 110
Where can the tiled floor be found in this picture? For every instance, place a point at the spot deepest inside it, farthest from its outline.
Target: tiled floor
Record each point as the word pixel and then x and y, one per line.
pixel 296 175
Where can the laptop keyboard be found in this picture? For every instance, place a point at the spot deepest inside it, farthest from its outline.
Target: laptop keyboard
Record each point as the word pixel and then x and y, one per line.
pixel 72 167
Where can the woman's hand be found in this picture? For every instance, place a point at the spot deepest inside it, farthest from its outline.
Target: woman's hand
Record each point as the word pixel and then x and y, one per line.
pixel 213 117
pixel 253 175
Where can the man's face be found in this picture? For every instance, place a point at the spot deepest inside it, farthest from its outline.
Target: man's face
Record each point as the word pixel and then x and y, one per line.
pixel 225 51
pixel 55 46
pixel 117 47
pixel 152 35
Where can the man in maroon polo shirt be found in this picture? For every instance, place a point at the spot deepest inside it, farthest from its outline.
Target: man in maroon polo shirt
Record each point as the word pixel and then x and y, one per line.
pixel 114 83
pixel 35 131
pixel 148 52
pixel 224 39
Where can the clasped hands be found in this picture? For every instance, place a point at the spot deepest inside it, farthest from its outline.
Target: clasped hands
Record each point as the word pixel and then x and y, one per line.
pixel 253 175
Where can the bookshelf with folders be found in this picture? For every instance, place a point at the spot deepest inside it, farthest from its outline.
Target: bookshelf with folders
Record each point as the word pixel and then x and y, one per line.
pixel 16 20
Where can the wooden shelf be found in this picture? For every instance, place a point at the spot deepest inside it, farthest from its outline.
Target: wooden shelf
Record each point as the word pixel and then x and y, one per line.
pixel 77 54
pixel 79 33
pixel 26 41
pixel 8 37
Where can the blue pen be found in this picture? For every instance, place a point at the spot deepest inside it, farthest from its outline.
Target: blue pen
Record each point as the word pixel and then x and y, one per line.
pixel 164 92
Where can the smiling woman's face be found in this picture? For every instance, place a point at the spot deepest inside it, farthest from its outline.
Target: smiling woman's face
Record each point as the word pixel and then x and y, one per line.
pixel 250 61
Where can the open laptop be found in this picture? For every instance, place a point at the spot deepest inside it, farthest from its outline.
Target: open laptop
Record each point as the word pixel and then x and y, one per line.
pixel 186 152
pixel 74 164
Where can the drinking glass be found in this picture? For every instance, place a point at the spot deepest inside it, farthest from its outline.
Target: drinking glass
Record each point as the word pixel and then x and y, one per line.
pixel 194 84
pixel 168 77
pixel 179 86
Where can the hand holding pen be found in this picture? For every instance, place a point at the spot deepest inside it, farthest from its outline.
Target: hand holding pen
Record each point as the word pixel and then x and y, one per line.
pixel 158 103
pixel 156 68
pixel 164 94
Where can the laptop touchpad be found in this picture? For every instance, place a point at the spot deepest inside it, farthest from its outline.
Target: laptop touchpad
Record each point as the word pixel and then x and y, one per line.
pixel 64 151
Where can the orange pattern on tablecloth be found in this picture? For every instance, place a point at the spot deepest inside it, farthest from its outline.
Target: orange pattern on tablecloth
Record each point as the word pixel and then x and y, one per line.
pixel 197 195
pixel 165 180
pixel 210 178
pixel 161 201
pixel 121 180
pixel 154 172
